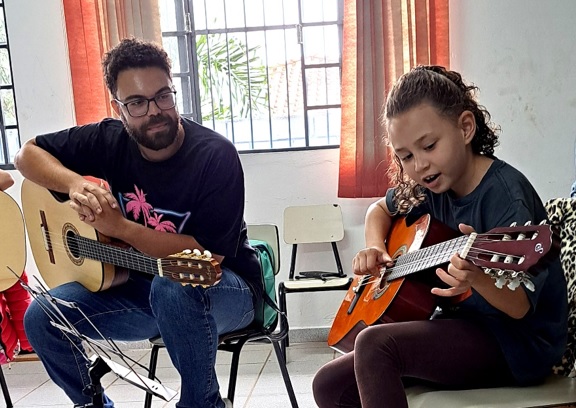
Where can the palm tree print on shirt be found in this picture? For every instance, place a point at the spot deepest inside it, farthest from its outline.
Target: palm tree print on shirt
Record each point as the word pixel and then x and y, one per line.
pixel 138 205
pixel 135 205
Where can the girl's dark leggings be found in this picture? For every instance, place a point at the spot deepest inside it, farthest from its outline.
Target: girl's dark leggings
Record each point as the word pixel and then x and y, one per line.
pixel 452 353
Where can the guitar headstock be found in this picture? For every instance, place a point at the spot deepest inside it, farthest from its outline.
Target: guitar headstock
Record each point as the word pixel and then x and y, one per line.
pixel 191 268
pixel 507 254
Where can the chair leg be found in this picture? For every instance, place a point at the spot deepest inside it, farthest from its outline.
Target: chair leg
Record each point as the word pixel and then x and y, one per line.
pixel 151 373
pixel 236 349
pixel 5 389
pixel 284 370
pixel 282 303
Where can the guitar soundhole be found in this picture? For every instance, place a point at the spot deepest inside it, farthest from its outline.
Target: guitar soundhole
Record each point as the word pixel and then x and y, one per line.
pixel 70 234
pixel 382 287
pixel 383 283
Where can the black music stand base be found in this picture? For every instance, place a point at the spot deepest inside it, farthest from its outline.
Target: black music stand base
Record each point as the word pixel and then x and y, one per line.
pixel 97 369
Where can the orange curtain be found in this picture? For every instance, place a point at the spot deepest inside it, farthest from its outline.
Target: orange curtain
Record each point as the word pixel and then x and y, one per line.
pixel 382 40
pixel 93 27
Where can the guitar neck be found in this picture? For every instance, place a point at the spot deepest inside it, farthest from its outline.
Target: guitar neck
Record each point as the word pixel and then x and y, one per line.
pixel 115 255
pixel 428 257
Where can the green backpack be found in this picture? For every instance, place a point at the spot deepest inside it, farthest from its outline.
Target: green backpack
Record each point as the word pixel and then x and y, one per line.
pixel 266 257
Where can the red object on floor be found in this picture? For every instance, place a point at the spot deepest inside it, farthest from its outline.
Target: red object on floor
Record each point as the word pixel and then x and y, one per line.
pixel 13 304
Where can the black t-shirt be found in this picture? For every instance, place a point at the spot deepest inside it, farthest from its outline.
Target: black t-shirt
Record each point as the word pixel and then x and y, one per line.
pixel 534 343
pixel 199 191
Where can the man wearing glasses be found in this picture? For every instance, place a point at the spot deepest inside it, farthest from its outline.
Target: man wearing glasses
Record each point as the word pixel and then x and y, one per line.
pixel 173 185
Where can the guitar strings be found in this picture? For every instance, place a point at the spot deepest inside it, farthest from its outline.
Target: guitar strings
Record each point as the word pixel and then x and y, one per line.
pixel 135 260
pixel 83 247
pixel 404 264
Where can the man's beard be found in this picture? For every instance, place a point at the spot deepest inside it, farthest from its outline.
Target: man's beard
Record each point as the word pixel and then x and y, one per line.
pixel 160 140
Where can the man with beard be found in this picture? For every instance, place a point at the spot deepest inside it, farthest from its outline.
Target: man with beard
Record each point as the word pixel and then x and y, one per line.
pixel 173 185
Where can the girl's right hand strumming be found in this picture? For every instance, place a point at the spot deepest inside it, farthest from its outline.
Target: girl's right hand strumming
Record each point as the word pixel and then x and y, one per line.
pixel 370 260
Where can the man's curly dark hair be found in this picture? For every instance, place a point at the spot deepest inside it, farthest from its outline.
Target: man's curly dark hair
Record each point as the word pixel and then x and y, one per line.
pixel 133 53
pixel 446 91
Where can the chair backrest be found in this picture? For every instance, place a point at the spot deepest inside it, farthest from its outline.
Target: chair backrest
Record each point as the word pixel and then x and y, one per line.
pixel 307 224
pixel 562 214
pixel 268 233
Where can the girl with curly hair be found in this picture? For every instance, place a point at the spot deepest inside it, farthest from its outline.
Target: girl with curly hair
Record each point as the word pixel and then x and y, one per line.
pixel 444 165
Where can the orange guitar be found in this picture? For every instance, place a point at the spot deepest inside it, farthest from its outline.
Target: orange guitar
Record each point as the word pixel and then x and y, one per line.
pixel 399 294
pixel 66 249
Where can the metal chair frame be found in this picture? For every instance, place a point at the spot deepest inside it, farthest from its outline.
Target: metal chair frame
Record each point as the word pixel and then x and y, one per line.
pixel 234 341
pixel 312 225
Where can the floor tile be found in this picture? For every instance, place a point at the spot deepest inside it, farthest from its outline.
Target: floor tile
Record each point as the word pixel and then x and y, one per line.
pixel 259 382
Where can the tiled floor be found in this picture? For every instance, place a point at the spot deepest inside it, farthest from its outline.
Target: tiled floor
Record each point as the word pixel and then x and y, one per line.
pixel 259 384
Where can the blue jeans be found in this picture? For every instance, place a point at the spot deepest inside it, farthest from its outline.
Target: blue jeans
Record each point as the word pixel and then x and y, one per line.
pixel 189 319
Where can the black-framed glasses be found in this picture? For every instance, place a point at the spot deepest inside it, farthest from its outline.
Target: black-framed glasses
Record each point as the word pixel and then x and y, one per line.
pixel 139 107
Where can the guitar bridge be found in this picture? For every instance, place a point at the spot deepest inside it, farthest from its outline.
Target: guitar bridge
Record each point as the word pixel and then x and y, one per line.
pixel 46 237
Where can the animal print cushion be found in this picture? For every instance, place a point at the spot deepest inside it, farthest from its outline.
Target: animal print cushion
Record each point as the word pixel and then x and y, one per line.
pixel 562 213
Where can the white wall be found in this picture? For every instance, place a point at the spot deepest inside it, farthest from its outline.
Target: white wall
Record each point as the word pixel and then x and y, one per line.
pixel 276 180
pixel 520 53
pixel 39 51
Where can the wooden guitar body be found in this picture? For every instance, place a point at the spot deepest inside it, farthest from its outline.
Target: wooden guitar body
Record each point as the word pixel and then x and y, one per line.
pixel 68 250
pixel 402 291
pixel 12 242
pixel 398 300
pixel 50 222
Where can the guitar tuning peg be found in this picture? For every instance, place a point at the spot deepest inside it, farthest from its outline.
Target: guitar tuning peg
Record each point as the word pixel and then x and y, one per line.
pixel 529 285
pixel 528 223
pixel 197 252
pixel 543 222
pixel 514 224
pixel 500 282
pixel 187 252
pixel 491 272
pixel 207 254
pixel 513 284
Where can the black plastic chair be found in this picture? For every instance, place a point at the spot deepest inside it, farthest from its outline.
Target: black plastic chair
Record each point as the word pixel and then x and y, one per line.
pixel 233 342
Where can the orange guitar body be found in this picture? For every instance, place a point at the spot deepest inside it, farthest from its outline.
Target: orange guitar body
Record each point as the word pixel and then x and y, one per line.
pixel 401 299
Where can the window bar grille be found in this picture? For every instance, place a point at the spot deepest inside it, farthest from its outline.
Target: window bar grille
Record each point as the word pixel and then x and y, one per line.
pixel 265 32
pixel 182 55
pixel 247 48
pixel 216 89
pixel 5 155
pixel 193 69
pixel 232 127
pixel 209 67
pixel 3 126
pixel 303 68
pixel 288 104
pixel 185 75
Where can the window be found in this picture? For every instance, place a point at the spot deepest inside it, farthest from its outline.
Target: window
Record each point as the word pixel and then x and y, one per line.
pixel 264 73
pixel 9 135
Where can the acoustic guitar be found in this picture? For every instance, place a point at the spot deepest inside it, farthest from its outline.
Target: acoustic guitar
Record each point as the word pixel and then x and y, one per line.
pixel 402 291
pixel 66 249
pixel 12 242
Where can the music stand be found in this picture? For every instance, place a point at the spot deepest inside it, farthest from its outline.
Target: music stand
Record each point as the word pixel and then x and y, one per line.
pixel 100 363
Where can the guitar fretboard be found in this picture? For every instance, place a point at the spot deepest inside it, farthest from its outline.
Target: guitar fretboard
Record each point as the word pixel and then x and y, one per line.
pixel 114 255
pixel 425 258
